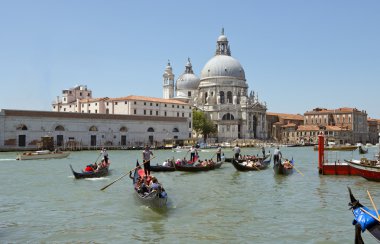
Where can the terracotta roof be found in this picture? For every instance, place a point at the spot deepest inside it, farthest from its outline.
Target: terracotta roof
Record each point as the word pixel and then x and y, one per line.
pixel 149 99
pixel 308 128
pixel 327 111
pixel 289 125
pixel 287 116
pixel 334 128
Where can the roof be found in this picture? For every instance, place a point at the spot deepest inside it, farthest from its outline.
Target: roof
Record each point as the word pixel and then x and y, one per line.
pixel 289 125
pixel 287 116
pixel 308 128
pixel 149 99
pixel 333 111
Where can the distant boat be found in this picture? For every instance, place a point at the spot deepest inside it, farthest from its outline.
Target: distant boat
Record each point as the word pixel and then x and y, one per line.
pixel 91 174
pixel 43 154
pixel 337 148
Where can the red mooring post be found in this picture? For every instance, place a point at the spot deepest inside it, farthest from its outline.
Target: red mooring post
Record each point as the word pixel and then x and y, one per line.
pixel 321 152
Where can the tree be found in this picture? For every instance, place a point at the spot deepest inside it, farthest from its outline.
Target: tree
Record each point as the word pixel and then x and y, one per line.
pixel 203 125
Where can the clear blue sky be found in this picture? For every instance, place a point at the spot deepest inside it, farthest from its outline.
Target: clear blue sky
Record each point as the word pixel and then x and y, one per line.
pixel 297 54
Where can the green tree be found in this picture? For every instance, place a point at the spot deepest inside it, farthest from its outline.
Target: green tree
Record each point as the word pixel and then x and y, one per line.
pixel 203 125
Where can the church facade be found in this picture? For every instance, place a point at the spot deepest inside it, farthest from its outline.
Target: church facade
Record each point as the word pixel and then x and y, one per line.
pixel 222 93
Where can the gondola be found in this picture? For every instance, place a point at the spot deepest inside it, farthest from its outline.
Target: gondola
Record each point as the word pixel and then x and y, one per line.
pixel 363 150
pixel 154 199
pixel 263 164
pixel 90 174
pixel 161 168
pixel 362 220
pixel 279 169
pixel 195 168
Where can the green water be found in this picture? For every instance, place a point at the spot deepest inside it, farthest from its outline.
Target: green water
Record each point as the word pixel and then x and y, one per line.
pixel 41 202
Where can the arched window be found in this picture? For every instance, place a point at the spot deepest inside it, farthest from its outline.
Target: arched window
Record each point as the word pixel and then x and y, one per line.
pixel 228 116
pixel 206 95
pixel 123 129
pixel 150 129
pixel 175 130
pixel 107 111
pixel 93 128
pixel 59 128
pixel 229 97
pixel 238 98
pixel 22 127
pixel 222 100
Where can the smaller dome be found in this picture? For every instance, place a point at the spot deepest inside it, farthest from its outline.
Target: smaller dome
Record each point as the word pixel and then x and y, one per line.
pixel 187 82
pixel 222 38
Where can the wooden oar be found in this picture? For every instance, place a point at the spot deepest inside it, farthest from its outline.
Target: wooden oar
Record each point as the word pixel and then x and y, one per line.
pixel 373 205
pixel 373 216
pixel 98 157
pixel 121 177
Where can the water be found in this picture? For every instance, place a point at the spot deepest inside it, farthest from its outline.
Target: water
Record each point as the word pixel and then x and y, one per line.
pixel 41 202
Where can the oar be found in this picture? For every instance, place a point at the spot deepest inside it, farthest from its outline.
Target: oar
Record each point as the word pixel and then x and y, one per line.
pixel 373 205
pixel 121 177
pixel 98 157
pixel 373 216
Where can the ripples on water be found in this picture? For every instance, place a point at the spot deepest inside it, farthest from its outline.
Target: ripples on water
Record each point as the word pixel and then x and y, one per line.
pixel 42 202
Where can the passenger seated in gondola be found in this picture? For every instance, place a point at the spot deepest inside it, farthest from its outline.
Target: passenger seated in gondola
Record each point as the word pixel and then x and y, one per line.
pixel 287 164
pixel 143 185
pixel 89 168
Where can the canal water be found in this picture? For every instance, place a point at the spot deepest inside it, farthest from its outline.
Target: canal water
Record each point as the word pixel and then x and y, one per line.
pixel 41 202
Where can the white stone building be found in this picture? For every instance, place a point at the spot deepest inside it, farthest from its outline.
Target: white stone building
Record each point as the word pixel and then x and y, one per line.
pixel 23 129
pixel 222 93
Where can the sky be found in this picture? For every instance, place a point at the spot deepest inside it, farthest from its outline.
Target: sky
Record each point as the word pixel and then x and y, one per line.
pixel 297 55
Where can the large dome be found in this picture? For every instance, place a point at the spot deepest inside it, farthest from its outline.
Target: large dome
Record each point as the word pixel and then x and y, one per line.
pixel 223 65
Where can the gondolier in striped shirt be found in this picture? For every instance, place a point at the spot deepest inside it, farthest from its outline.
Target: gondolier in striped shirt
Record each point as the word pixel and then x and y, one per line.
pixel 146 159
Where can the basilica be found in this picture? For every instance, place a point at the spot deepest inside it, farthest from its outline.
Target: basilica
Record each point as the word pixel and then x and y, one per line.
pixel 221 92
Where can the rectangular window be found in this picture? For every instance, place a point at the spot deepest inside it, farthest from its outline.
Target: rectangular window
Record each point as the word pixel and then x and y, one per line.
pixel 166 105
pixel 156 104
pixel 157 113
pixel 151 112
pixel 177 114
pixel 125 102
pixel 134 102
pixel 96 111
pixel 183 114
pixel 144 103
pixel 135 111
pixel 189 124
pixel 151 104
pixel 172 105
pixel 165 114
pixel 144 112
pixel 115 103
pixel 189 115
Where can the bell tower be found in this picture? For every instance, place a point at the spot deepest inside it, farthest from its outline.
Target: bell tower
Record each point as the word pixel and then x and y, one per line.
pixel 168 86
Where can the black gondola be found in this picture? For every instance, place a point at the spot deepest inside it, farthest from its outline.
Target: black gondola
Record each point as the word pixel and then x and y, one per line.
pixel 91 174
pixel 193 168
pixel 153 199
pixel 263 164
pixel 161 168
pixel 363 221
pixel 280 169
pixel 363 150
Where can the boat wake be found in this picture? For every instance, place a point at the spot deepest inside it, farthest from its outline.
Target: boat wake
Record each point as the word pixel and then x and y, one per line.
pixel 7 159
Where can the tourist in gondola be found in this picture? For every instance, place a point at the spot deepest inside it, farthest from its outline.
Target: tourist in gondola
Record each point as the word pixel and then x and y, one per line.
pixel 277 155
pixel 219 154
pixel 236 151
pixel 146 159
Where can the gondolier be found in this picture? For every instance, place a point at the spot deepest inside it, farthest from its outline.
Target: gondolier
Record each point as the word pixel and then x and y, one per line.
pixel 277 155
pixel 219 154
pixel 146 159
pixel 105 155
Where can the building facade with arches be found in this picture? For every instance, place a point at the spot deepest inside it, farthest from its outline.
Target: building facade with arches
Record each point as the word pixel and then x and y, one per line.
pixel 23 129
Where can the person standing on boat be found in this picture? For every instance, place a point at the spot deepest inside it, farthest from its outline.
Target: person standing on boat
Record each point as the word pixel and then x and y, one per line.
pixel 277 155
pixel 193 151
pixel 219 154
pixel 105 155
pixel 146 159
pixel 236 151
